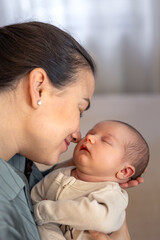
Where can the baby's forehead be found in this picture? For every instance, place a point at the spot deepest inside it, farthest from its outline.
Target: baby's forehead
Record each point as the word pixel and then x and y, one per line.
pixel 109 126
pixel 101 126
pixel 106 124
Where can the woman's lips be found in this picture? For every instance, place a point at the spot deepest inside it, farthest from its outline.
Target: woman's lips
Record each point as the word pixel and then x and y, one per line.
pixel 67 143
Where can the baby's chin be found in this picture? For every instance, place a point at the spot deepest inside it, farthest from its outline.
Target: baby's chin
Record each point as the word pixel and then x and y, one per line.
pixel 82 155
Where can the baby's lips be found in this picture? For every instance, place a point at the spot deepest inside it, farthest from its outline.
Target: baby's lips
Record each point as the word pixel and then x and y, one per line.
pixel 84 147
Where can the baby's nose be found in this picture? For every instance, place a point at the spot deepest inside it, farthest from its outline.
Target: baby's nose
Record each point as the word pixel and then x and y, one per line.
pixel 91 138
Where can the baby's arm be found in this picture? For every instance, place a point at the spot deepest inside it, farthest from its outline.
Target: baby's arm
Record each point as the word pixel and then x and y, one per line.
pixel 102 211
pixel 50 231
pixel 121 234
pixel 38 192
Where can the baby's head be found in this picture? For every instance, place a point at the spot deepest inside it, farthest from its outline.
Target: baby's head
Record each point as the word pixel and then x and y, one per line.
pixel 111 151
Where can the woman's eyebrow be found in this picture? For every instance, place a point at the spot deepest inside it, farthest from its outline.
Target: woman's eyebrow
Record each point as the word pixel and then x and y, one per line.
pixel 89 104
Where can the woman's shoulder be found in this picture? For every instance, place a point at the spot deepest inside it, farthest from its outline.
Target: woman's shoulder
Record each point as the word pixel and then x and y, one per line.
pixel 18 161
pixel 11 180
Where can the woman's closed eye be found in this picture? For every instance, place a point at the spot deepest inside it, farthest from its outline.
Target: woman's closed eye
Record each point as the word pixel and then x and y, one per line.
pixel 83 107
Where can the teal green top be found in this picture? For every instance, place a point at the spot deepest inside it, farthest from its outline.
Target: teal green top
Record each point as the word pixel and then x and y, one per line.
pixel 16 220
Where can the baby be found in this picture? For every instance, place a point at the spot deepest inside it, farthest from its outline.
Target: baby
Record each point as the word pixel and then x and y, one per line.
pixel 71 201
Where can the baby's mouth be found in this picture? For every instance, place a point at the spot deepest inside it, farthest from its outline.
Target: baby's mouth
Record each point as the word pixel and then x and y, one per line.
pixel 84 147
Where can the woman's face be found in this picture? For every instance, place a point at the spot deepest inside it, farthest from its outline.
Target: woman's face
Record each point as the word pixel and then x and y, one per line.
pixel 57 120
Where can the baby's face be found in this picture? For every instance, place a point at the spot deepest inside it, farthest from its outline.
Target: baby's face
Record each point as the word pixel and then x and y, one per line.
pixel 101 152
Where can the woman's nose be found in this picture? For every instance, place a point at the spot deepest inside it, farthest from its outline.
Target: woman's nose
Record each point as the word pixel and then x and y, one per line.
pixel 90 138
pixel 76 136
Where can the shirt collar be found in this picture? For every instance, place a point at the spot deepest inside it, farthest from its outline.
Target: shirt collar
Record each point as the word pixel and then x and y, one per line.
pixel 13 179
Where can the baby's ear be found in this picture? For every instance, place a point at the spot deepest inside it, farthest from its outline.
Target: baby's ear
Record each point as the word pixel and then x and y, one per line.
pixel 125 173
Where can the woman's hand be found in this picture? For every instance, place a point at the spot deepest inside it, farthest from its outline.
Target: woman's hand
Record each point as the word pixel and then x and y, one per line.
pixel 100 236
pixel 121 234
pixel 133 183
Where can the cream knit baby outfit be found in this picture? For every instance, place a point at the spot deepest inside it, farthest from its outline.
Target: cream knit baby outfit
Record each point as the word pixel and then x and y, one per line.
pixel 67 207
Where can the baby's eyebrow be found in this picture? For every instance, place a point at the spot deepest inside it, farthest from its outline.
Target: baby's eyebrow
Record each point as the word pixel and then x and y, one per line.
pixel 89 104
pixel 92 131
pixel 112 137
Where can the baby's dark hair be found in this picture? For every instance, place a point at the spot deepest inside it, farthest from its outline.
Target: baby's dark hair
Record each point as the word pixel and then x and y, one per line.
pixel 137 151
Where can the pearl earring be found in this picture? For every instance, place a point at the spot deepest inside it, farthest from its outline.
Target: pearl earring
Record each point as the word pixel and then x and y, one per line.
pixel 39 102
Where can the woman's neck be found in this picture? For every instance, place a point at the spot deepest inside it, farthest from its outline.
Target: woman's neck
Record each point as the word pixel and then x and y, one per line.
pixel 8 128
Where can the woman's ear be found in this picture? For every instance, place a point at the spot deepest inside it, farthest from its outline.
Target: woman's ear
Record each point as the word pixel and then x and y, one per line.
pixel 37 80
pixel 125 173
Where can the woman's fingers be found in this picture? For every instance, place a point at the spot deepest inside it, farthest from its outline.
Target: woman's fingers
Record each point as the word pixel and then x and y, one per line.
pixel 121 234
pixel 133 183
pixel 99 236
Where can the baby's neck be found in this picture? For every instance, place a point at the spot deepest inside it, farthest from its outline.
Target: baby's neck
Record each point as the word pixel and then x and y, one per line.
pixel 74 174
pixel 89 178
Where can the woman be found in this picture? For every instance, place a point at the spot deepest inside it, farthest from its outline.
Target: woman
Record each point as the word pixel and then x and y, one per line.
pixel 46 83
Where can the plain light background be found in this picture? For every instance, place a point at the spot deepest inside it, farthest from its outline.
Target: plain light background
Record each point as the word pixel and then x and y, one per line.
pixel 123 36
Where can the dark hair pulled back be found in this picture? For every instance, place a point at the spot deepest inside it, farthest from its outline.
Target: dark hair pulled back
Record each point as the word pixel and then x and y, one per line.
pixel 25 46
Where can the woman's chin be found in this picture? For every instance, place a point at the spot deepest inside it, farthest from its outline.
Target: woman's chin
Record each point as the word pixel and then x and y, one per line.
pixel 50 161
